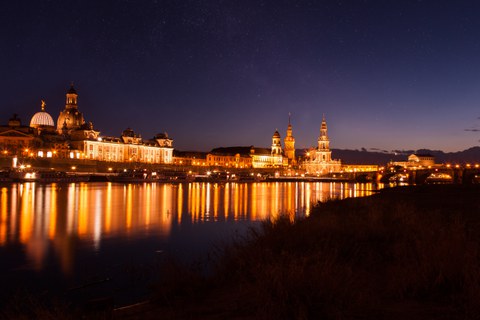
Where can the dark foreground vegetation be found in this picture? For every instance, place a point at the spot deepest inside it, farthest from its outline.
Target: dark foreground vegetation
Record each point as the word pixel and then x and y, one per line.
pixel 405 253
pixel 410 252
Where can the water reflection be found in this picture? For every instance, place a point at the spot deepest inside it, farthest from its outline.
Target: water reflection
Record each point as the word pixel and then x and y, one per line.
pixel 46 217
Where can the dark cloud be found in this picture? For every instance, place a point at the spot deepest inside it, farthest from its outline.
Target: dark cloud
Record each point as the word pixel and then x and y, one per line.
pixel 379 150
pixel 473 130
pixel 403 151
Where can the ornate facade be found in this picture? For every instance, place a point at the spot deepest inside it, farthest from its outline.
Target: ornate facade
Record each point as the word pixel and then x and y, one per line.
pixel 289 142
pixel 42 119
pixel 74 138
pixel 70 118
pixel 416 160
pixel 16 138
pixel 232 157
pixel 130 148
pixel 253 157
pixel 269 158
pixel 319 161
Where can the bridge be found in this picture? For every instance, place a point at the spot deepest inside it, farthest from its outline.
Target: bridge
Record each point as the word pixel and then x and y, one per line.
pixel 465 174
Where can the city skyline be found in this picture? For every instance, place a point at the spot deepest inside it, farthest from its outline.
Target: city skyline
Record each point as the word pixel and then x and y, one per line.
pixel 211 74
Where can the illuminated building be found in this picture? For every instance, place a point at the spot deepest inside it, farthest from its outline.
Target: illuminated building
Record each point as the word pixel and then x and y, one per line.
pixel 189 158
pixel 261 158
pixel 232 157
pixel 289 142
pixel 360 168
pixel 42 120
pixel 416 161
pixel 70 118
pixel 74 138
pixel 15 138
pixel 250 157
pixel 130 148
pixel 421 159
pixel 319 161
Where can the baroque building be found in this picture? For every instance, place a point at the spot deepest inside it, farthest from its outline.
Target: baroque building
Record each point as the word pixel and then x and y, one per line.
pixel 250 157
pixel 76 139
pixel 289 142
pixel 130 147
pixel 70 118
pixel 319 161
pixel 416 160
pixel 15 138
pixel 42 120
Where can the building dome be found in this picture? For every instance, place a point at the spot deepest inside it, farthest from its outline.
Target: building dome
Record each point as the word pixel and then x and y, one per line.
pixel 70 118
pixel 276 134
pixel 42 118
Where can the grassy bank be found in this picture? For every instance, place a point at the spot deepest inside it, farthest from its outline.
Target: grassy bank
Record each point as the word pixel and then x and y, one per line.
pixel 409 252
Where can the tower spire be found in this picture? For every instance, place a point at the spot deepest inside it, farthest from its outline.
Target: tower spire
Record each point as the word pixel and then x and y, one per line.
pixel 290 142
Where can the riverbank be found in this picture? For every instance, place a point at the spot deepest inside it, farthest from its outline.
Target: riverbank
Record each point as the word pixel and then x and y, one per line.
pixel 409 252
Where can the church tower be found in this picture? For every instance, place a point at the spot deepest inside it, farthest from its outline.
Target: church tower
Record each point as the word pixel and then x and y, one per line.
pixel 276 144
pixel 70 118
pixel 320 159
pixel 323 152
pixel 289 143
pixel 72 95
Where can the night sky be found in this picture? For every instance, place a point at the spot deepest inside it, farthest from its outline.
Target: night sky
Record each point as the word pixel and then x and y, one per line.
pixel 387 74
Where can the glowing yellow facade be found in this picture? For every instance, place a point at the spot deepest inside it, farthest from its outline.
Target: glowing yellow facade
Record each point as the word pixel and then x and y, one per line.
pixel 74 138
pixel 130 148
pixel 70 118
pixel 319 161
pixel 228 160
pixel 289 142
pixel 42 119
pixel 360 168
pixel 262 158
pixel 15 138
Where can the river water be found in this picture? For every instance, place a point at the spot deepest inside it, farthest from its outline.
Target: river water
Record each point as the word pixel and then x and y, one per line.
pixel 88 240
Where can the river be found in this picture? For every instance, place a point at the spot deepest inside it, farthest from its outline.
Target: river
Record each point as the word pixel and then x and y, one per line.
pixel 87 240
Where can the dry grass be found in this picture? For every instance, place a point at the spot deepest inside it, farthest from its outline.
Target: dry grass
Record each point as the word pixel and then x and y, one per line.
pixel 405 253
